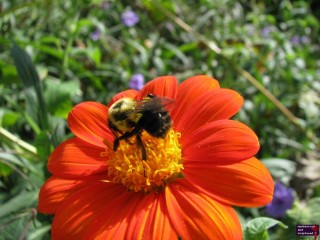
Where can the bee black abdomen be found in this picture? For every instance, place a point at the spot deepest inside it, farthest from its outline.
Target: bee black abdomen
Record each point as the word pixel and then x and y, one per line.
pixel 156 123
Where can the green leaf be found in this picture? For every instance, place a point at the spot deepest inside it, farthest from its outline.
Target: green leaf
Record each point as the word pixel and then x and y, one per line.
pixel 176 52
pixel 16 161
pixel 23 225
pixel 58 131
pixel 305 213
pixel 95 55
pixel 31 84
pixel 193 46
pixel 256 229
pixel 7 117
pixel 58 96
pixel 42 143
pixel 21 201
pixel 281 169
pixel 314 205
pixel 39 233
pixel 10 118
pixel 153 7
pixel 32 122
pixel 5 170
pixel 140 48
pixel 8 73
pixel 85 22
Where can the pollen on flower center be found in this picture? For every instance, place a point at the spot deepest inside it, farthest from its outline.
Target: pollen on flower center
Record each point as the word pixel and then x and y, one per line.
pixel 163 162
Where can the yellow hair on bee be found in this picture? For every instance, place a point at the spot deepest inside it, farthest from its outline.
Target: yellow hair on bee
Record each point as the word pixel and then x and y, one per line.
pixel 121 114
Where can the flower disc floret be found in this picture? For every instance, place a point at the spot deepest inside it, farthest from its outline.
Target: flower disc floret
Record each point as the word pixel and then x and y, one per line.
pixel 163 162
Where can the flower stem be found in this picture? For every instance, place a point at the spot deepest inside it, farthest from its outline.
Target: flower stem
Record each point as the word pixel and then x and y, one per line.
pixel 14 139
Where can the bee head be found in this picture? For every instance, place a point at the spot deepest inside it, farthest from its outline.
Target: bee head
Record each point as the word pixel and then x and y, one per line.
pixel 121 115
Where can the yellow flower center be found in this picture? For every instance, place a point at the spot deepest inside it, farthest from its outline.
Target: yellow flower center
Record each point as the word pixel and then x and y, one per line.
pixel 163 162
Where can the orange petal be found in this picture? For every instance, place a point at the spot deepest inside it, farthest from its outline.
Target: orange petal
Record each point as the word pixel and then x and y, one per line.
pixel 131 93
pixel 89 121
pixel 114 217
pixel 247 183
pixel 82 207
pixel 150 220
pixel 196 216
pixel 211 106
pixel 189 90
pixel 77 158
pixel 220 142
pixel 165 86
pixel 55 190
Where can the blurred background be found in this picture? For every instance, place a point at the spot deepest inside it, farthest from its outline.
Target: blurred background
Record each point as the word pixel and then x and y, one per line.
pixel 55 54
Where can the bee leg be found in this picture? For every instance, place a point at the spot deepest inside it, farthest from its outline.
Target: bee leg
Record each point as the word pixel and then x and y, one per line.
pixel 143 148
pixel 116 144
pixel 125 137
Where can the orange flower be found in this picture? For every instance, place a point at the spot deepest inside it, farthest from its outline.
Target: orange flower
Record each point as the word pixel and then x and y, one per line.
pixel 185 188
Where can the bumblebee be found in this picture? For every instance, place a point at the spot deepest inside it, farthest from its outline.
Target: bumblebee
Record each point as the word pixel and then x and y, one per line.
pixel 128 117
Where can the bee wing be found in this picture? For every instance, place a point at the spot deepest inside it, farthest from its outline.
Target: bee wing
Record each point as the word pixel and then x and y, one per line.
pixel 154 103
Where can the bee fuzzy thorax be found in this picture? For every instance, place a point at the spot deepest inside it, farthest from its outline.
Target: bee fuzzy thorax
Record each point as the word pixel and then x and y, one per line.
pixel 120 117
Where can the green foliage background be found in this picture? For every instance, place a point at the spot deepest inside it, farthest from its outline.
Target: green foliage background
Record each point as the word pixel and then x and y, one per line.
pixel 268 51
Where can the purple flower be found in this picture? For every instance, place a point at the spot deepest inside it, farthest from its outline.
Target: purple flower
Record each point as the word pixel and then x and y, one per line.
pixel 169 26
pixel 105 5
pixel 305 39
pixel 299 40
pixel 265 32
pixel 295 40
pixel 129 18
pixel 137 81
pixel 250 29
pixel 281 202
pixel 95 35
